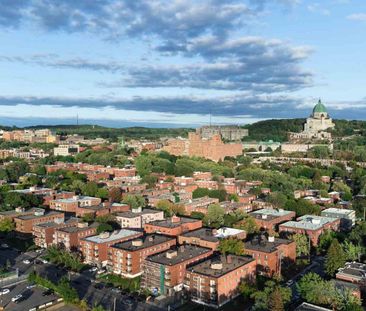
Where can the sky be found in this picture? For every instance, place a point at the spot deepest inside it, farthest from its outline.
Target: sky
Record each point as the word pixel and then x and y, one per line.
pixel 173 63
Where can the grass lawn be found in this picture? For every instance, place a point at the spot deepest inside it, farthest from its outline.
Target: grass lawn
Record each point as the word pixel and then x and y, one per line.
pixel 131 285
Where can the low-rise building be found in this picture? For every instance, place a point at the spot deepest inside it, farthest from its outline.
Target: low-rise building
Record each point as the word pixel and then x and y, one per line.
pixel 102 209
pixel 269 219
pixel 353 272
pixel 44 232
pixel 231 207
pixel 173 226
pixel 19 211
pixel 271 254
pixel 137 218
pixel 310 307
pixel 210 238
pixel 95 248
pixel 215 281
pixel 347 216
pixel 24 224
pixel 311 225
pixel 127 258
pixel 198 205
pixel 70 237
pixel 164 272
pixel 72 204
pixel 66 150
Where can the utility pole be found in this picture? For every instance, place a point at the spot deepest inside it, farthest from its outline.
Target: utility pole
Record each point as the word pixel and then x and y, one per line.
pixel 114 303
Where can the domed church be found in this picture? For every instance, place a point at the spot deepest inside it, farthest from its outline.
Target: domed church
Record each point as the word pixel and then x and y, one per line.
pixel 319 120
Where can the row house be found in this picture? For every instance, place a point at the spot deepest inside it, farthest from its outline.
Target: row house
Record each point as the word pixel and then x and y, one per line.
pixel 246 197
pixel 269 219
pixel 44 232
pixel 137 218
pixel 202 175
pixel 24 224
pixel 186 188
pixel 70 236
pixel 173 226
pixel 183 180
pixel 347 216
pixel 198 205
pixel 127 258
pixel 164 272
pixel 95 248
pixel 215 281
pixel 209 184
pixel 271 254
pixel 311 225
pixel 58 196
pixel 133 188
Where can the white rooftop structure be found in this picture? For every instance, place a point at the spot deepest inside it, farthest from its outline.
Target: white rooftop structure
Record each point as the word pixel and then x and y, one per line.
pixel 110 237
pixel 226 232
pixel 271 211
pixel 309 222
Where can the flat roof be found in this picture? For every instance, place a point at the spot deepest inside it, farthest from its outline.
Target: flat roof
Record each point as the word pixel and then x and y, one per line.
pixel 184 253
pixel 203 234
pixel 115 235
pixel 271 212
pixel 339 211
pixel 263 245
pixel 147 241
pixel 310 222
pixel 130 214
pixel 169 224
pixel 70 200
pixel 354 269
pixel 310 307
pixel 78 229
pixel 225 232
pixel 27 217
pixel 229 263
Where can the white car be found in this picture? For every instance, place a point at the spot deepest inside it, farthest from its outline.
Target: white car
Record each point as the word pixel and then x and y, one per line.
pixel 4 291
pixel 26 261
pixel 4 245
pixel 93 269
pixel 31 286
pixel 17 297
pixel 43 260
pixel 101 271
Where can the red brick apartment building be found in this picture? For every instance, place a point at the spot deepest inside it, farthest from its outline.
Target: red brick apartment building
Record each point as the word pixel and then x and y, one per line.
pixel 138 218
pixel 58 196
pixel 311 225
pixel 353 272
pixel 198 205
pixel 173 226
pixel 269 219
pixel 216 280
pixel 230 207
pixel 246 197
pixel 19 212
pixel 270 254
pixel 70 236
pixel 72 204
pixel 95 248
pixel 164 272
pixel 102 209
pixel 202 175
pixel 44 232
pixel 127 258
pixel 24 224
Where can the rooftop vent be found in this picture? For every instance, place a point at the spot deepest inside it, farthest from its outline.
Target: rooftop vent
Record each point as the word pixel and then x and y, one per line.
pixel 171 254
pixel 104 235
pixel 137 242
pixel 216 265
pixel 175 219
pixel 271 239
pixel 39 213
pixel 82 225
pixel 315 221
pixel 264 216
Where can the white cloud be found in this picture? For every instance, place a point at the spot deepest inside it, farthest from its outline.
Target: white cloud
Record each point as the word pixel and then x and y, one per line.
pixel 361 17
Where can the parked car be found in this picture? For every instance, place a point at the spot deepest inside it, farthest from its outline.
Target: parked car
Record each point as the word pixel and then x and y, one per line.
pixel 93 269
pixel 47 292
pixel 17 298
pixel 4 291
pixel 26 261
pixel 43 260
pixel 32 285
pixel 289 283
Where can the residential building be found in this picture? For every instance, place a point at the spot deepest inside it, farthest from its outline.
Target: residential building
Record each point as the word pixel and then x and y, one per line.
pixel 24 224
pixel 227 132
pixel 311 225
pixel 95 248
pixel 215 281
pixel 271 254
pixel 72 204
pixel 347 216
pixel 19 211
pixel 127 258
pixel 310 307
pixel 269 219
pixel 231 207
pixel 137 218
pixel 173 226
pixel 198 205
pixel 353 272
pixel 66 150
pixel 164 272
pixel 70 236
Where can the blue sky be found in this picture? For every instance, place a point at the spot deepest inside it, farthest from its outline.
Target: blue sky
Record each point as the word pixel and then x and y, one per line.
pixel 172 63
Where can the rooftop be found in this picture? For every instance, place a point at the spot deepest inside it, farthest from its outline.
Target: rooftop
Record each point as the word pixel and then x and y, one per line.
pixel 205 234
pixel 339 211
pixel 110 237
pixel 229 263
pixel 55 224
pixel 356 270
pixel 78 229
pixel 309 307
pixel 131 214
pixel 168 223
pixel 146 241
pixel 178 255
pixel 262 244
pixel 309 222
pixel 269 213
pixel 34 216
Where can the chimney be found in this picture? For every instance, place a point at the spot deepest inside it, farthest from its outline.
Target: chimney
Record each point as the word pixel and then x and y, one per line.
pixel 171 254
pixel 264 216
pixel 229 259
pixel 271 239
pixel 175 219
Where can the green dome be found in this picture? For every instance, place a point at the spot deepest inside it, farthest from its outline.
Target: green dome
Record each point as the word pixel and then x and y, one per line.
pixel 319 107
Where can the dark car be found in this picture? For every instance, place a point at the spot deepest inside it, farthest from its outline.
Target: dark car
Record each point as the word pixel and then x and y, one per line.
pixel 98 286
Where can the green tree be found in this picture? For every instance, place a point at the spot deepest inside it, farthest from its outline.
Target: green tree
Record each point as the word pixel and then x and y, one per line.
pixel 263 297
pixel 134 201
pixel 248 224
pixel 102 193
pixel 335 258
pixel 325 239
pixel 231 246
pixel 199 193
pixel 90 189
pixel 166 206
pixel 275 301
pixel 302 244
pixel 215 216
pixel 104 227
pixel 68 293
pixel 352 252
pixel 6 225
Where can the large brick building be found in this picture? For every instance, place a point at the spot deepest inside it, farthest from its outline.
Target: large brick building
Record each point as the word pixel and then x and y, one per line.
pixel 271 254
pixel 95 248
pixel 24 224
pixel 173 226
pixel 311 225
pixel 269 219
pixel 164 272
pixel 215 281
pixel 212 148
pixel 72 204
pixel 137 218
pixel 127 258
pixel 198 205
